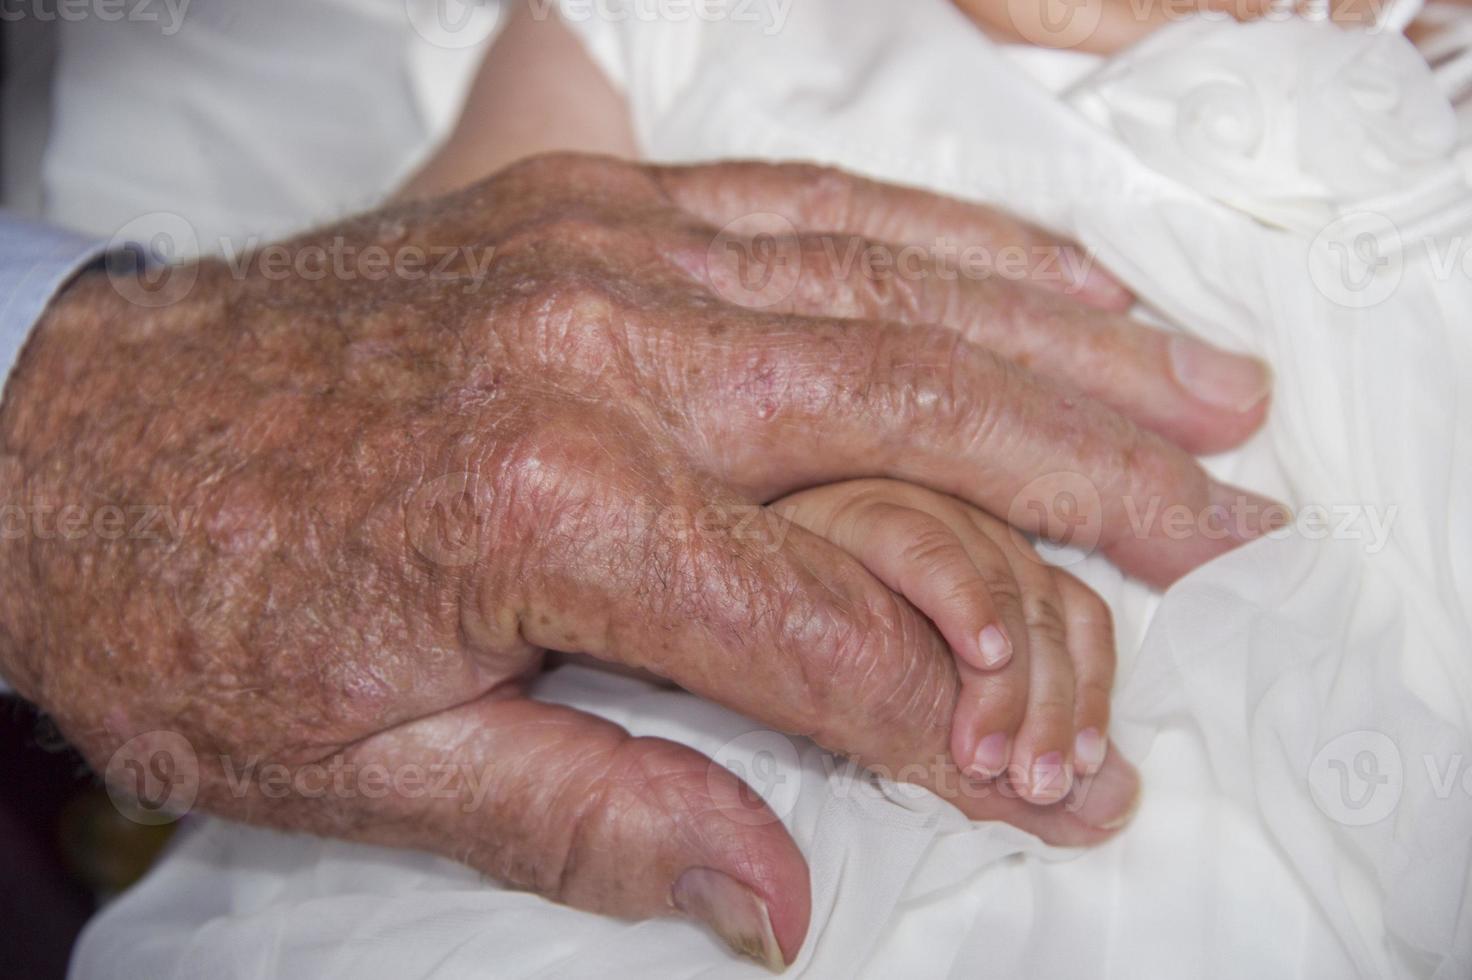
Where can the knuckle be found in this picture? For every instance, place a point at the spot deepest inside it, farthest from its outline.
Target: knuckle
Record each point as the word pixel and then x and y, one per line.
pixel 527 496
pixel 929 546
pixel 1045 619
pixel 847 275
pixel 859 509
pixel 1004 698
pixel 521 484
pixel 542 166
pixel 566 170
pixel 873 674
pixel 931 376
pixel 964 594
pixel 855 515
pixel 574 323
pixel 555 480
pixel 577 306
pixel 866 500
pixel 630 772
pixel 1095 616
pixel 452 522
pixel 563 235
pixel 888 290
pixel 1094 693
pixel 848 650
pixel 764 377
pixel 555 861
pixel 967 395
pixel 1052 709
pixel 1005 593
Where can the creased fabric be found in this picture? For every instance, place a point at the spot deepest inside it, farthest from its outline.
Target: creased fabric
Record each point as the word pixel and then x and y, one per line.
pixel 1300 708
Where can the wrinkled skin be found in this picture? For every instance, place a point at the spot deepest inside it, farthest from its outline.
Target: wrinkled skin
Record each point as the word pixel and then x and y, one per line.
pixel 394 495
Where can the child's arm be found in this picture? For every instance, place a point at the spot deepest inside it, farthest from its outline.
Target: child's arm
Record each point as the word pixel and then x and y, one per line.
pixel 538 91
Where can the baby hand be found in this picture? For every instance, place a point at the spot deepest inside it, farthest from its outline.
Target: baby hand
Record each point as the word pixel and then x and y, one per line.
pixel 1034 646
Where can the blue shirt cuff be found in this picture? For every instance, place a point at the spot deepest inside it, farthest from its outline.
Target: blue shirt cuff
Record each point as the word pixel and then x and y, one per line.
pixel 36 261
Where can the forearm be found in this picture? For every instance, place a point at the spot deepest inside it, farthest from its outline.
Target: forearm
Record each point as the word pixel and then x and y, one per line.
pixel 72 529
pixel 537 92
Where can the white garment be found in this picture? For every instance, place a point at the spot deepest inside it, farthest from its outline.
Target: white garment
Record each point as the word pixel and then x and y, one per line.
pixel 243 122
pixel 1264 697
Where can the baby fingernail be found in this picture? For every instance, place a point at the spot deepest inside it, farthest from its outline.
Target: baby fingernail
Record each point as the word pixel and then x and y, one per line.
pixel 1218 378
pixel 991 756
pixel 1049 777
pixel 734 911
pixel 996 650
pixel 1088 749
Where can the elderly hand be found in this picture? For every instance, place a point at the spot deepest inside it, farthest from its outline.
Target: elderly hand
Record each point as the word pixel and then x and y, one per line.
pixel 387 495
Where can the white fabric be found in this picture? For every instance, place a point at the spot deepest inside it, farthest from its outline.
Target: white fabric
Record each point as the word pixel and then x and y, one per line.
pixel 1300 709
pixel 1292 122
pixel 241 122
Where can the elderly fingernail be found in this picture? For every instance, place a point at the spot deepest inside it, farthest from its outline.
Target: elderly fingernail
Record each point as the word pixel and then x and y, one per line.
pixel 1228 381
pixel 736 913
pixel 1244 515
pixel 1089 748
pixel 996 649
pixel 1107 800
pixel 1049 778
pixel 990 758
